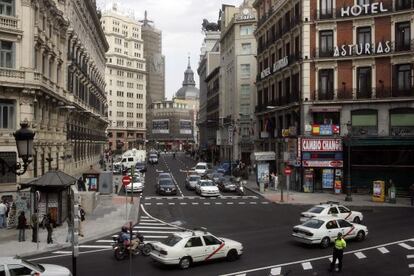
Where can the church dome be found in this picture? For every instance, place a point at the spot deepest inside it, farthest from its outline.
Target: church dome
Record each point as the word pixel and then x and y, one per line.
pixel 188 91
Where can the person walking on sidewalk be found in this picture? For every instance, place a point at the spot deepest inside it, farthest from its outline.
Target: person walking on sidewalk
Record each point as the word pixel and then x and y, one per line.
pixel 21 225
pixel 81 217
pixel 34 223
pixel 3 211
pixel 48 224
pixel 338 252
pixel 412 194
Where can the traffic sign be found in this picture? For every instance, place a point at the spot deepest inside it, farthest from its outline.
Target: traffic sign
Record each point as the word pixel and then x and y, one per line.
pixel 288 170
pixel 126 180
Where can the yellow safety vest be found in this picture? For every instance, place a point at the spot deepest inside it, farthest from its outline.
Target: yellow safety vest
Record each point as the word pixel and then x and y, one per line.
pixel 340 244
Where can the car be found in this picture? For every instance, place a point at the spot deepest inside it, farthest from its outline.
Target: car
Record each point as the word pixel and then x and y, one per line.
pixel 153 158
pixel 226 184
pixel 332 208
pixel 140 166
pixel 201 168
pixel 164 175
pixel 191 181
pixel 166 187
pixel 215 176
pixel 206 187
pixel 323 230
pixel 136 185
pixel 10 266
pixel 187 247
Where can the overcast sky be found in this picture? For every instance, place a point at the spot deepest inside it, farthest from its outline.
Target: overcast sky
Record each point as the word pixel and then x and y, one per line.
pixel 180 23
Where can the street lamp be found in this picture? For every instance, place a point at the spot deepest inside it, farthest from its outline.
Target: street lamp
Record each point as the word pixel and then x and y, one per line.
pixel 348 186
pixel 24 142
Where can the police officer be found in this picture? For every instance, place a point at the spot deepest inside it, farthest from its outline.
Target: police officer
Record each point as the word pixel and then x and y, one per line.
pixel 338 252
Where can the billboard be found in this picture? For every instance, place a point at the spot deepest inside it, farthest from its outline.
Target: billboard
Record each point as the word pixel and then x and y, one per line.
pixel 185 127
pixel 161 126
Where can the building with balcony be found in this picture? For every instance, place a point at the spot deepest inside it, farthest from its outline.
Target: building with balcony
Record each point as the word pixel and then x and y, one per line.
pixel 356 69
pixel 126 81
pixel 238 75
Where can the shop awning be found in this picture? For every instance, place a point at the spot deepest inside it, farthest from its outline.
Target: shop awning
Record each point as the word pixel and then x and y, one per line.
pixel 53 178
pixel 319 108
pixel 263 156
pixel 382 141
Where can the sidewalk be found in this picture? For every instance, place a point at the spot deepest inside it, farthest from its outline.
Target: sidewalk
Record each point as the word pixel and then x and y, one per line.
pixel 301 198
pixel 107 218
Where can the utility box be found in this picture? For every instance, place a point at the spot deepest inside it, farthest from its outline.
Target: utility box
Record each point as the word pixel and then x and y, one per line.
pixel 105 183
pixel 378 191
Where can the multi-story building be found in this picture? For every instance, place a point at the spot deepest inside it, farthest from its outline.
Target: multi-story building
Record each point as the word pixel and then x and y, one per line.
pixel 356 81
pixel 52 75
pixel 238 75
pixel 126 81
pixel 208 118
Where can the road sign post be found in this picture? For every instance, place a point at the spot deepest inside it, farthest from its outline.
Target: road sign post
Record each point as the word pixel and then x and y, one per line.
pixel 288 172
pixel 125 181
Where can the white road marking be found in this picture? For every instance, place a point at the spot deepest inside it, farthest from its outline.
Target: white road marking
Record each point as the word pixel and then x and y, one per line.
pixel 330 260
pixel 306 266
pixel 229 203
pixel 218 203
pixel 153 227
pixel 145 217
pixel 242 203
pixel 253 202
pixel 275 271
pixel 62 252
pixel 183 203
pixel 410 256
pixel 383 250
pixel 104 241
pixel 155 237
pixel 406 246
pixel 265 202
pixel 66 255
pixel 147 220
pixel 150 223
pixel 95 246
pixel 147 203
pixel 206 203
pixel 411 266
pixel 194 203
pixel 360 255
pixel 160 203
pixel 171 203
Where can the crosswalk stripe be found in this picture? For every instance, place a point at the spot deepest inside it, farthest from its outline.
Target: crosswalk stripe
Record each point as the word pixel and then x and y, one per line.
pixel 151 223
pixel 410 256
pixel 147 220
pixel 265 202
pixel 406 246
pixel 183 203
pixel 242 203
pixel 307 266
pixel 218 203
pixel 206 203
pixel 155 237
pixel 330 260
pixel 171 203
pixel 154 227
pixel 104 241
pixel 383 250
pixel 360 255
pixel 147 203
pixel 275 271
pixel 95 246
pixel 157 232
pixel 145 217
pixel 411 265
pixel 229 203
pixel 160 203
pixel 253 202
pixel 62 252
pixel 195 203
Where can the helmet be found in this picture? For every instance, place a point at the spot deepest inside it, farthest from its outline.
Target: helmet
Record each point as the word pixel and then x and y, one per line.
pixel 124 229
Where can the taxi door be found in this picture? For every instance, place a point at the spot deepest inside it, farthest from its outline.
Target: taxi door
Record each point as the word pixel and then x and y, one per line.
pixel 348 230
pixel 214 248
pixel 333 229
pixel 194 247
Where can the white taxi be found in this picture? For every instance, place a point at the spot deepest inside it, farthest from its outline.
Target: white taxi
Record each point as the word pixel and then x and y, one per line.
pixel 206 187
pixel 324 230
pixel 136 185
pixel 332 208
pixel 185 248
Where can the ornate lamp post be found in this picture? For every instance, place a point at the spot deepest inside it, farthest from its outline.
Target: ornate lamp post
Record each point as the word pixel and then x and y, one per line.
pixel 24 142
pixel 348 186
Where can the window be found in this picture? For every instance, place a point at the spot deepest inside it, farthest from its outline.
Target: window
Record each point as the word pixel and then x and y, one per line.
pixel 331 224
pixel 2 270
pixel 344 224
pixel 246 30
pixel 7 7
pixel 17 270
pixel 364 82
pixel 364 122
pixel 210 240
pixel 332 210
pixel 7 116
pixel 402 122
pixel 363 2
pixel 313 223
pixel 364 40
pixel 6 54
pixel 194 242
pixel 326 84
pixel 343 210
pixel 402 36
pixel 326 43
pixel 246 48
pixel 325 8
pixel 245 91
pixel 403 4
pixel 403 77
pixel 245 70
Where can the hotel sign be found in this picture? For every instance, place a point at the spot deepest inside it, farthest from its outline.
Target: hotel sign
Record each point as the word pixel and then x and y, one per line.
pixel 278 65
pixel 364 9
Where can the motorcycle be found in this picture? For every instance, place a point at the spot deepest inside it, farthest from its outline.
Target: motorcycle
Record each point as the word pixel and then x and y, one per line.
pixel 240 186
pixel 123 249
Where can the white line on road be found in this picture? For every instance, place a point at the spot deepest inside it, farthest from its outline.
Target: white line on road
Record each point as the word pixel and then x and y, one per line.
pixel 206 203
pixel 147 203
pixel 411 265
pixel 104 241
pixel 194 203
pixel 410 256
pixel 242 203
pixel 229 203
pixel 360 255
pixel 95 246
pixel 150 223
pixel 183 203
pixel 147 220
pixel 155 237
pixel 275 271
pixel 253 202
pixel 153 227
pixel 145 217
pixel 383 250
pixel 171 203
pixel 66 255
pixel 265 202
pixel 160 203
pixel 62 252
pixel 306 266
pixel 158 232
pixel 218 203
pixel 406 246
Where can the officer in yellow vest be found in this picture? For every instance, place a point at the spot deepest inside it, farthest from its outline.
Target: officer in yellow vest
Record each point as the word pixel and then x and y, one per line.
pixel 338 252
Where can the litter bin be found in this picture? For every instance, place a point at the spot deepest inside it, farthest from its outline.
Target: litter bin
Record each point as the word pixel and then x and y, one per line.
pixel 261 186
pixel 392 194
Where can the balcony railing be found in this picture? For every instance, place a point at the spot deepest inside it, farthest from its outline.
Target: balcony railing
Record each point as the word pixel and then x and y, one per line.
pixel 373 93
pixel 324 95
pixel 323 53
pixel 8 22
pixel 404 5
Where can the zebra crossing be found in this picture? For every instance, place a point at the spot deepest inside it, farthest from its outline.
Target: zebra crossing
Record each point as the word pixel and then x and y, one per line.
pixel 203 201
pixel 155 230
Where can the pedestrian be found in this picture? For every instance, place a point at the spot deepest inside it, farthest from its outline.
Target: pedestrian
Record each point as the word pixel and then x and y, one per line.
pixel 3 211
pixel 21 225
pixel 48 224
pixel 338 252
pixel 34 223
pixel 81 217
pixel 412 194
pixel 69 236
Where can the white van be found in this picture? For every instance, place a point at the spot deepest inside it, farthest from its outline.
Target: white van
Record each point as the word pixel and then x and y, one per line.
pixel 130 158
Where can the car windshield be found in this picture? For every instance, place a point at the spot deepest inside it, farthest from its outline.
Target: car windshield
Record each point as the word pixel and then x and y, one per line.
pixel 166 182
pixel 171 240
pixel 316 210
pixel 194 178
pixel 164 175
pixel 140 165
pixel 313 223
pixel 38 267
pixel 136 179
pixel 206 183
pixel 153 156
pixel 200 167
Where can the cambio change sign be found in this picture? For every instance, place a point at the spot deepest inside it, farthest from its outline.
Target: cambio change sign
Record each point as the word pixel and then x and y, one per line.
pixel 321 145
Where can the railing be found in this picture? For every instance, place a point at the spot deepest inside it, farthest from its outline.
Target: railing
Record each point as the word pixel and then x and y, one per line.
pixel 344 94
pixel 325 95
pixel 402 47
pixel 8 22
pixel 323 53
pixel 373 93
pixel 12 73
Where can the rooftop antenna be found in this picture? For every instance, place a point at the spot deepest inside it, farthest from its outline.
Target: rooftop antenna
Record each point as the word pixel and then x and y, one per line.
pixel 146 21
pixel 189 63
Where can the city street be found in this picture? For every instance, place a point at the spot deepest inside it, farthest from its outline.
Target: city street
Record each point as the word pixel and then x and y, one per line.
pixel 264 229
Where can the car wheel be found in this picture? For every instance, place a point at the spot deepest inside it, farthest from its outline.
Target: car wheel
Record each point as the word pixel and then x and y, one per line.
pixel 185 262
pixel 325 242
pixel 360 236
pixel 146 249
pixel 232 255
pixel 357 220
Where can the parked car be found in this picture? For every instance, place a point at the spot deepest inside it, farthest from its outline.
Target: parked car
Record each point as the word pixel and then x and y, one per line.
pixel 206 187
pixel 166 187
pixel 191 181
pixel 324 230
pixel 185 248
pixel 153 158
pixel 226 184
pixel 332 208
pixel 16 266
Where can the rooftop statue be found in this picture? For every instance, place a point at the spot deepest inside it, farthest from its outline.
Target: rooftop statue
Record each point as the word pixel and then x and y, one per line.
pixel 210 26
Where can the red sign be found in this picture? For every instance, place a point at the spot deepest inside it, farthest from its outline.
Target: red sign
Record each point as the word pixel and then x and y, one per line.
pixel 126 180
pixel 322 163
pixel 288 170
pixel 321 145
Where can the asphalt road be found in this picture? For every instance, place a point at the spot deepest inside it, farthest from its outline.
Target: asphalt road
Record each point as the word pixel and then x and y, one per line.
pixel 264 228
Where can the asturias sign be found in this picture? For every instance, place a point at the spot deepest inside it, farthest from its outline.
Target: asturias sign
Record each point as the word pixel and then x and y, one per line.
pixel 324 145
pixel 362 49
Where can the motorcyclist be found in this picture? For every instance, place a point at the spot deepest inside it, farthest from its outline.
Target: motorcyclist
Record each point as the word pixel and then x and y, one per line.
pixel 126 236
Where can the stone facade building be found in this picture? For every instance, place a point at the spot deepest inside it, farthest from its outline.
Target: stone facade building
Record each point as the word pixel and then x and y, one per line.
pixel 126 81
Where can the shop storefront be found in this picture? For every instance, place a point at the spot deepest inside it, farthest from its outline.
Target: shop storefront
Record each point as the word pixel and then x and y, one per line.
pixel 322 164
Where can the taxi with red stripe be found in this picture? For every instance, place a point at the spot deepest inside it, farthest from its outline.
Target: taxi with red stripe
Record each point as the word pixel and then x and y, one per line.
pixel 187 247
pixel 332 208
pixel 323 230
